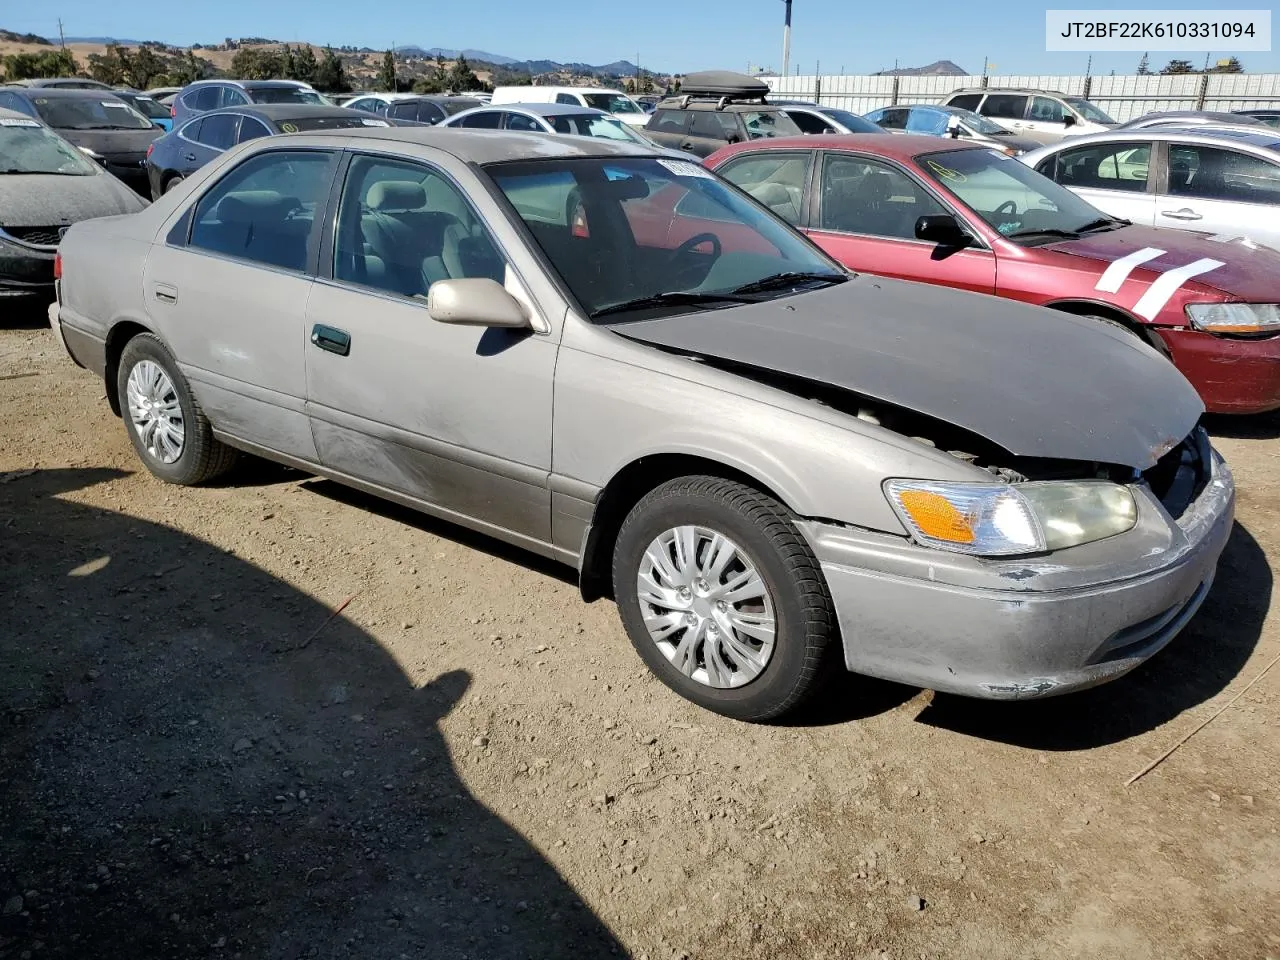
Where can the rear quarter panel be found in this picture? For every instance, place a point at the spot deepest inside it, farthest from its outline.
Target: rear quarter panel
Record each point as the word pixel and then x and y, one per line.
pixel 102 263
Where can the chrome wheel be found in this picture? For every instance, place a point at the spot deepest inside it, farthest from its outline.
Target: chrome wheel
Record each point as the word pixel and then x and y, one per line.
pixel 706 607
pixel 155 411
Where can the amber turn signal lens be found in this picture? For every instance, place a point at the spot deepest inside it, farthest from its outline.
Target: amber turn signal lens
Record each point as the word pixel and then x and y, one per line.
pixel 936 516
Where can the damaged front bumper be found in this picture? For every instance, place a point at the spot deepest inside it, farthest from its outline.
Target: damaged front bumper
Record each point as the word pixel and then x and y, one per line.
pixel 1018 629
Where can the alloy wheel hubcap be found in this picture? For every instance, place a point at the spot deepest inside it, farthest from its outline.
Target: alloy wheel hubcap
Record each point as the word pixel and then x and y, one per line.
pixel 156 412
pixel 706 607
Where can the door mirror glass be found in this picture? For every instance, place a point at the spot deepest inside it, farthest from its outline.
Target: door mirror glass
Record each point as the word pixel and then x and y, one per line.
pixel 942 229
pixel 477 302
pixel 1068 120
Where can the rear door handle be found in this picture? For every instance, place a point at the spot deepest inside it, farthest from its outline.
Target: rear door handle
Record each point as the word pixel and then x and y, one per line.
pixel 1184 214
pixel 190 157
pixel 166 293
pixel 331 339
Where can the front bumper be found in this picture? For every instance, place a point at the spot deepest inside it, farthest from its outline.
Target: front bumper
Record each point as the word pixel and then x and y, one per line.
pixel 1231 375
pixel 1018 629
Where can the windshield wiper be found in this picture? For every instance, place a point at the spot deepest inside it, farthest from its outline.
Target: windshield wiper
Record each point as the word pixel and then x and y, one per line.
pixel 1108 222
pixel 1048 232
pixel 673 298
pixel 779 281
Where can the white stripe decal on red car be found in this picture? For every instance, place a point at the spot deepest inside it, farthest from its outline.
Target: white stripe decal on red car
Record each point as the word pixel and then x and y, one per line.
pixel 1117 273
pixel 1167 284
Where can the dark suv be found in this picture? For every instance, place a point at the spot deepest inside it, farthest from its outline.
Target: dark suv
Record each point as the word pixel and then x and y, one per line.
pixel 715 108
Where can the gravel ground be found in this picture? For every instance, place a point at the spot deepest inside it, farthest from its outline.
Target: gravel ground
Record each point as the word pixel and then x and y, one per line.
pixel 468 762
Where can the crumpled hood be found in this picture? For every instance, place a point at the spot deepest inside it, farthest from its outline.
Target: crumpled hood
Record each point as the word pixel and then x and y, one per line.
pixel 113 142
pixel 1037 382
pixel 1249 271
pixel 39 200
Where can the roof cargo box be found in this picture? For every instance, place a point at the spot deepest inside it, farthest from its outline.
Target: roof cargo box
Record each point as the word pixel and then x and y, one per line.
pixel 723 83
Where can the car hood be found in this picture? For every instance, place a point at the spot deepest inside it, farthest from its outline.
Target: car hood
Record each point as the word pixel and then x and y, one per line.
pixel 41 200
pixel 1037 382
pixel 1025 144
pixel 110 142
pixel 1249 271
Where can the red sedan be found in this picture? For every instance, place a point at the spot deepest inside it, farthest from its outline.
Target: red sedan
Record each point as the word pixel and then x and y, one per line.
pixel 960 215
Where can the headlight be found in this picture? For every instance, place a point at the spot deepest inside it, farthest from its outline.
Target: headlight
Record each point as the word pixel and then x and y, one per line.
pixel 1235 317
pixel 1001 519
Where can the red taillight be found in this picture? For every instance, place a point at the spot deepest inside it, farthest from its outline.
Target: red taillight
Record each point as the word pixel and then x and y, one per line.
pixel 150 148
pixel 57 266
pixel 173 110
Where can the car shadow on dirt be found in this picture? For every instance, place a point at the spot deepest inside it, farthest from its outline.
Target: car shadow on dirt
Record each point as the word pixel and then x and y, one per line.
pixel 24 313
pixel 1261 426
pixel 183 772
pixel 1196 665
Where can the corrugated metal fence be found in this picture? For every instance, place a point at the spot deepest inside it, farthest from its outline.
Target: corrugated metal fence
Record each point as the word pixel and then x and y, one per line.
pixel 1122 97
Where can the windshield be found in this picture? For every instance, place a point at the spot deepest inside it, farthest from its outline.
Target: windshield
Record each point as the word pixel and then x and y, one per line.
pixel 284 95
pixel 980 124
pixel 1010 196
pixel 90 113
pixel 637 235
pixel 1088 110
pixel 851 121
pixel 27 147
pixel 611 103
pixel 594 125
pixel 147 107
pixel 296 124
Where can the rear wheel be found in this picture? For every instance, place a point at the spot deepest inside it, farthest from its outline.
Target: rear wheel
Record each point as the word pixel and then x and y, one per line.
pixel 171 183
pixel 164 421
pixel 723 598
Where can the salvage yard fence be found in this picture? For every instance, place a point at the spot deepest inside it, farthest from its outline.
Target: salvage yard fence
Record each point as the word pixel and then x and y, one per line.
pixel 1122 97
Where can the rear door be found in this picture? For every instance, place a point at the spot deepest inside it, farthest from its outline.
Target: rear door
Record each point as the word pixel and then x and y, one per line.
pixel 1115 177
pixel 863 213
pixel 216 133
pixel 710 130
pixel 1046 119
pixel 1221 191
pixel 228 290
pixel 1007 109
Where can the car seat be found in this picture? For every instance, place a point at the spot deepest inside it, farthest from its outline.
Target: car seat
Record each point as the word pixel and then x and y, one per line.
pixel 408 238
pixel 257 225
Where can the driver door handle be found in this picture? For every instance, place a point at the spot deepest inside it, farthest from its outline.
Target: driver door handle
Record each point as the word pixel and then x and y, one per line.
pixel 331 339
pixel 1186 213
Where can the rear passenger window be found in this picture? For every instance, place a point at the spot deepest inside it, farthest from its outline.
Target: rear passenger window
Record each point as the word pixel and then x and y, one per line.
pixel 488 120
pixel 775 179
pixel 893 118
pixel 206 98
pixel 219 130
pixel 669 121
pixel 1101 166
pixel 264 209
pixel 965 101
pixel 1004 106
pixel 714 125
pixel 429 112
pixel 402 227
pixel 251 129
pixel 518 121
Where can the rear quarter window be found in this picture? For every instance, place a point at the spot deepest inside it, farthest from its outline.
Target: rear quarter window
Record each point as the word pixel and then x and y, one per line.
pixel 669 121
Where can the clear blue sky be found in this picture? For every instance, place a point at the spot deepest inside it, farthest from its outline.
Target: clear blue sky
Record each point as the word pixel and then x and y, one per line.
pixel 860 37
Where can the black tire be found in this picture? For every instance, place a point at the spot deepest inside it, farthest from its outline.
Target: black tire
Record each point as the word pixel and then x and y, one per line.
pixel 170 184
pixel 1151 340
pixel 202 457
pixel 806 633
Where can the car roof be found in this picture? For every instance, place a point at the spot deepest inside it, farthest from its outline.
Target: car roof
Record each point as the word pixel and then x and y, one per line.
pixel 1052 93
pixel 579 89
pixel 64 93
pixel 15 115
pixel 287 111
pixel 1207 115
pixel 894 146
pixel 251 84
pixel 542 109
pixel 496 146
pixel 1262 136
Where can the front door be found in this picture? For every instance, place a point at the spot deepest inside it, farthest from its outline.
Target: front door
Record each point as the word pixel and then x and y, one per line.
pixel 1220 191
pixel 865 217
pixel 1046 120
pixel 228 294
pixel 456 417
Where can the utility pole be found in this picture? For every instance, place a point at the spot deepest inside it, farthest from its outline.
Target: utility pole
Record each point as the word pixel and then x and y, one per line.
pixel 1088 67
pixel 786 40
pixel 62 37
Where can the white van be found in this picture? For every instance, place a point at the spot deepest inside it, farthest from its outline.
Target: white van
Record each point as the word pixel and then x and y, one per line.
pixel 597 98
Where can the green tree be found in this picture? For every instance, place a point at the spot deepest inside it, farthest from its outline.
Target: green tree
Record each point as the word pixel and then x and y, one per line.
pixel 1144 66
pixel 46 63
pixel 188 70
pixel 288 65
pixel 387 75
pixel 305 65
pixel 111 67
pixel 1178 67
pixel 252 63
pixel 331 75
pixel 460 76
pixel 142 67
pixel 429 84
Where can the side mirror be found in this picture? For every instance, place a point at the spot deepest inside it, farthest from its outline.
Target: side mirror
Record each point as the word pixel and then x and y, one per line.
pixel 1068 121
pixel 942 229
pixel 733 138
pixel 479 302
pixel 953 126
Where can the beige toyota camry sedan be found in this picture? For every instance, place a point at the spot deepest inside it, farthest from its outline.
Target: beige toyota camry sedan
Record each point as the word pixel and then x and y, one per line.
pixel 607 355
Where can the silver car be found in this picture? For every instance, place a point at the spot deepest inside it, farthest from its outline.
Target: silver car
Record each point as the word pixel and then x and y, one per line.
pixel 1209 179
pixel 772 465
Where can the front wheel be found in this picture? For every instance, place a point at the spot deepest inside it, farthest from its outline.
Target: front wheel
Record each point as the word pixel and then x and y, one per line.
pixel 168 429
pixel 173 182
pixel 723 598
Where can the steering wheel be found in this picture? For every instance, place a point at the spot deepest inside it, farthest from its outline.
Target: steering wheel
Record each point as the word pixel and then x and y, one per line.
pixel 1009 207
pixel 694 242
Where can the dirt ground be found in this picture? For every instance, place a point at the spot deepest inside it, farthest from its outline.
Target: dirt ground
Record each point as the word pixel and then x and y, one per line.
pixel 468 762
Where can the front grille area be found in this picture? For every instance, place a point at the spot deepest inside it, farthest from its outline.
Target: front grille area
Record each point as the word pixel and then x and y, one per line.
pixel 1182 474
pixel 41 236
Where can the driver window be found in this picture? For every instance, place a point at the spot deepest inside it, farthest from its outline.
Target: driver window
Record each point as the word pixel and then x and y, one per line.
pixel 402 227
pixel 263 210
pixel 1044 110
pixel 873 198
pixel 932 122
pixel 518 121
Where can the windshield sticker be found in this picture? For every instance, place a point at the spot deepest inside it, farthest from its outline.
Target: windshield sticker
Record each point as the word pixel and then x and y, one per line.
pixel 288 128
pixel 946 173
pixel 375 123
pixel 15 122
pixel 117 104
pixel 683 168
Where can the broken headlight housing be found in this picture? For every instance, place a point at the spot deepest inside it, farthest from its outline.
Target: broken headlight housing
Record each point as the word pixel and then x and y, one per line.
pixel 1002 519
